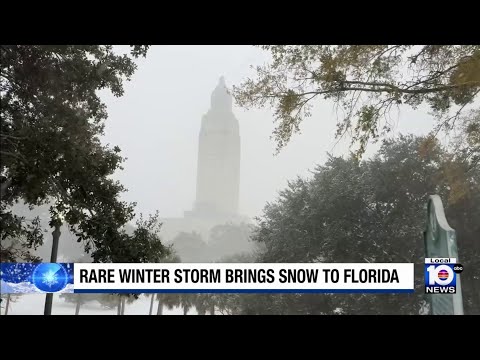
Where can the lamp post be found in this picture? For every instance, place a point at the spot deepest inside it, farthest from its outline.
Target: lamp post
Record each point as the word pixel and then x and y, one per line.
pixel 57 223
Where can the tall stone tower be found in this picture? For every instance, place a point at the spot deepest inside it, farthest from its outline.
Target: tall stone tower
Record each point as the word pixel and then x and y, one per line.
pixel 218 167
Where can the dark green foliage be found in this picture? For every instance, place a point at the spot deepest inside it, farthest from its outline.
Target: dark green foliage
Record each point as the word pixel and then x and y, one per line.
pixel 370 211
pixel 18 236
pixel 52 120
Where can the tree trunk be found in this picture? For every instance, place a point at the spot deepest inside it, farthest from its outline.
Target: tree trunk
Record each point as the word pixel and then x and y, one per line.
pixel 151 304
pixel 8 304
pixel 123 305
pixel 119 307
pixel 53 259
pixel 185 310
pixel 160 307
pixel 212 310
pixel 77 308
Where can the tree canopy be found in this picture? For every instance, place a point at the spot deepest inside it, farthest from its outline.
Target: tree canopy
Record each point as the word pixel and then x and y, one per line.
pixel 365 82
pixel 370 211
pixel 52 120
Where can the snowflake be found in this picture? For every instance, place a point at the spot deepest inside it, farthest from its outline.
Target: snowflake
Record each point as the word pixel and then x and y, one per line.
pixel 49 278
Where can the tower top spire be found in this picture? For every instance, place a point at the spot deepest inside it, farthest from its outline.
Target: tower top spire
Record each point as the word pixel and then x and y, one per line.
pixel 221 99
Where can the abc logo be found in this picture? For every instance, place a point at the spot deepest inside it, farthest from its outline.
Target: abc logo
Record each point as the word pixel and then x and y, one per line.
pixel 458 268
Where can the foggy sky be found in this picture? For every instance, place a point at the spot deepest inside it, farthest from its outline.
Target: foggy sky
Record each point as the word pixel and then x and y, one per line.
pixel 157 121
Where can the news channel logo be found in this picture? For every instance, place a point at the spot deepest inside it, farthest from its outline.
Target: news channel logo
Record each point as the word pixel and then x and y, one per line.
pixel 441 275
pixel 27 278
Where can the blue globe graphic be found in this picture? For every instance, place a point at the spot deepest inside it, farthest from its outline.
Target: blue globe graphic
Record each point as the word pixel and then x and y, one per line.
pixel 50 277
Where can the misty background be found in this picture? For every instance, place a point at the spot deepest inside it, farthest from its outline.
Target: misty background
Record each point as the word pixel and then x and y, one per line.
pixel 157 121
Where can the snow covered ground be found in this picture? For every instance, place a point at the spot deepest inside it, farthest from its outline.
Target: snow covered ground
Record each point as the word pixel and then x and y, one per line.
pixel 26 287
pixel 33 304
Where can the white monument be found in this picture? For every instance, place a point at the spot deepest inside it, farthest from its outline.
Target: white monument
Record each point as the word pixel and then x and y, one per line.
pixel 218 167
pixel 218 171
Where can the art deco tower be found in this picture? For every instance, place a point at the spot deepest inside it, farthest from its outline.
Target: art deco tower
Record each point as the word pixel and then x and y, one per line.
pixel 218 167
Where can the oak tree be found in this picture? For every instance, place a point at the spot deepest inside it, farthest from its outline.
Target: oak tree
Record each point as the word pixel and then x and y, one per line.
pixel 365 82
pixel 52 120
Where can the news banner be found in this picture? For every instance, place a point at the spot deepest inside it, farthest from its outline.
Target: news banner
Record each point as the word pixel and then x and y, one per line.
pixel 226 277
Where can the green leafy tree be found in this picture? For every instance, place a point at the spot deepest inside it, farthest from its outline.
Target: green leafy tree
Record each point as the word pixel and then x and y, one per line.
pixel 69 250
pixel 370 211
pixel 52 120
pixel 147 241
pixel 18 236
pixel 365 81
